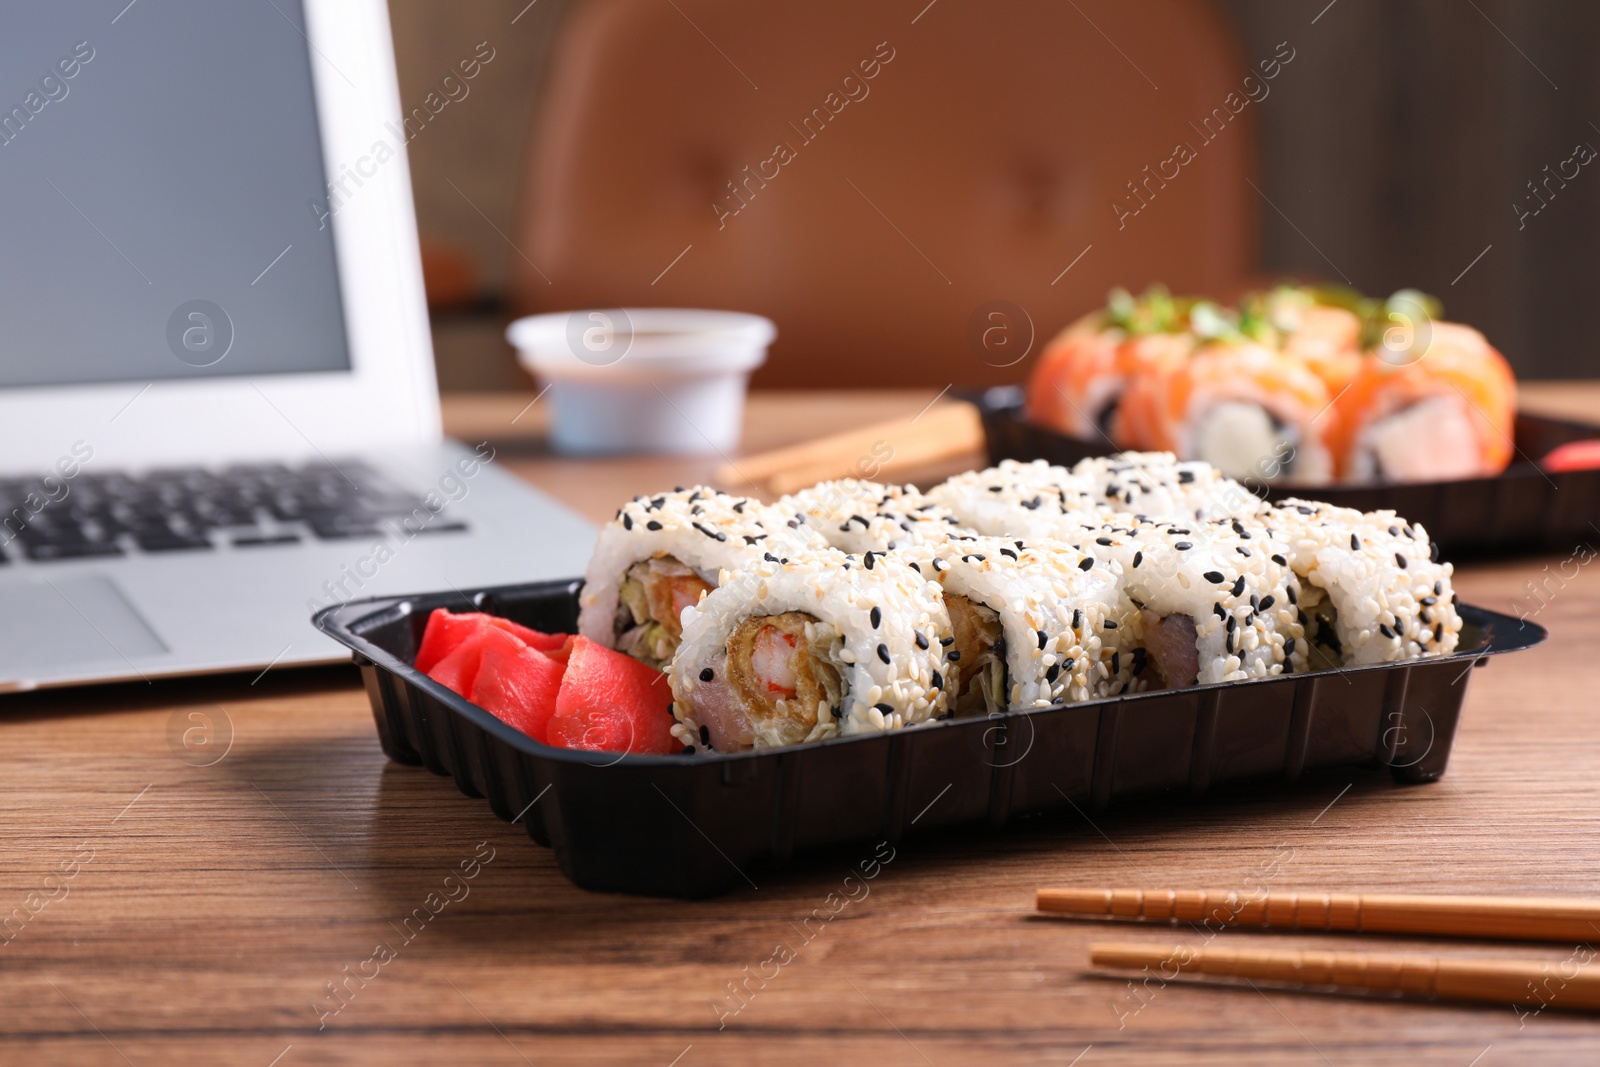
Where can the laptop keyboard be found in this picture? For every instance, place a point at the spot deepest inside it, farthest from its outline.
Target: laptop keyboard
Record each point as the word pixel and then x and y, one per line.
pixel 193 509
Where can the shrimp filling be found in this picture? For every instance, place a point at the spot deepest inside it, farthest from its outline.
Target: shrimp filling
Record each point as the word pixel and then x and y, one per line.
pixel 976 674
pixel 650 606
pixel 776 685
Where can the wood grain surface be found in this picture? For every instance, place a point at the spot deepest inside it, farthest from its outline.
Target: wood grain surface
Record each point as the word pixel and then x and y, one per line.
pixel 194 862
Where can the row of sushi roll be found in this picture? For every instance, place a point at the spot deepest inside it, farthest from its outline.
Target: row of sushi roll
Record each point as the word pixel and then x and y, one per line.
pixel 1303 385
pixel 854 607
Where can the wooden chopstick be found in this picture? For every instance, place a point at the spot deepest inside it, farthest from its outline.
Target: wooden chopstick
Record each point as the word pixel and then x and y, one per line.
pixel 1494 981
pixel 1509 918
pixel 945 431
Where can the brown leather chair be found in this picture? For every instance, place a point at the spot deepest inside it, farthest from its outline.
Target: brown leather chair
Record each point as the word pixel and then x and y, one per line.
pixel 874 177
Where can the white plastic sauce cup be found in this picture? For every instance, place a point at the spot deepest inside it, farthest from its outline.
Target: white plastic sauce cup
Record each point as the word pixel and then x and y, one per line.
pixel 665 380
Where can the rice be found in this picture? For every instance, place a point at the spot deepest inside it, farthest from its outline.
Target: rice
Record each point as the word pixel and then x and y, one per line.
pixel 697 530
pixel 1374 592
pixel 861 516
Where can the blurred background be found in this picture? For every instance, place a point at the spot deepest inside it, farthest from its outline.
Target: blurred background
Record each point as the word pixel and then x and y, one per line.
pixel 1027 154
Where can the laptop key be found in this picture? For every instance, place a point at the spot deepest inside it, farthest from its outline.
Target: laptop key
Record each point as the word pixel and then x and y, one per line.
pixel 171 542
pixel 50 552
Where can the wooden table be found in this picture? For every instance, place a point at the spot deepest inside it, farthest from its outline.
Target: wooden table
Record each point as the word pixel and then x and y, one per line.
pixel 178 913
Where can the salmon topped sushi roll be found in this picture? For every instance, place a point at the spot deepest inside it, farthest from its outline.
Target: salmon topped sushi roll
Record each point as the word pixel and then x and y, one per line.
pixel 1078 385
pixel 1244 407
pixel 1438 407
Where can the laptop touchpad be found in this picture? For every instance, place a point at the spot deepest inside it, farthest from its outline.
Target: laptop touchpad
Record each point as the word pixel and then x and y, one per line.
pixel 48 622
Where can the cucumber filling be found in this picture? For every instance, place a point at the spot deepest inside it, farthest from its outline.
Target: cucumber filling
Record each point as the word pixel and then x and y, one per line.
pixel 976 674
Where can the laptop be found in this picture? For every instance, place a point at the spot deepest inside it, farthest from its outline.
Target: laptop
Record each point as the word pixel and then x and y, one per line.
pixel 218 411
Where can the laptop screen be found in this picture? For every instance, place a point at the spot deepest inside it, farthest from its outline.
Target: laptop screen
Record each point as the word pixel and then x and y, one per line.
pixel 163 196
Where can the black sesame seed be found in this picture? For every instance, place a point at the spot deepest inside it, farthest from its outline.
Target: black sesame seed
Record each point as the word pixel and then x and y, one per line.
pixel 705 737
pixel 1218 609
pixel 1138 558
pixel 1238 528
pixel 1238 587
pixel 627 522
pixel 1438 588
pixel 1183 546
pixel 1267 602
pixel 1400 560
pixel 877 618
pixel 1111 624
pixel 947 641
pixel 1053 673
pixel 1394 531
pixel 1008 552
pixel 1230 641
pixel 1355 543
pixel 1106 541
pixel 1214 577
pixel 769 557
pixel 1289 592
pixel 1255 602
pixel 1279 560
pixel 1243 551
pixel 688 750
pixel 707 674
pixel 938 680
pixel 1288 647
pixel 1429 601
pixel 954 655
pixel 1438 633
pixel 883 653
pixel 1116 663
pixel 867 559
pixel 922 640
pixel 1302 509
pixel 739 507
pixel 652 525
pixel 1077 618
pixel 1086 564
pixel 1185 477
pixel 887 709
pixel 1233 624
pixel 845 528
pixel 997 489
pixel 1383 628
pixel 1433 551
pixel 1044 639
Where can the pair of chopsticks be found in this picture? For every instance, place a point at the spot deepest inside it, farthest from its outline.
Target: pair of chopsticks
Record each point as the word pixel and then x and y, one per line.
pixel 1491 981
pixel 880 452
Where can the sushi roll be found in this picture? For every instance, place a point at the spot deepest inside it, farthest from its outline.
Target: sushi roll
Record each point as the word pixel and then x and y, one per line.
pixel 1441 409
pixel 826 644
pixel 1015 499
pixel 1160 487
pixel 1216 600
pixel 1078 385
pixel 662 553
pixel 1370 588
pixel 859 516
pixel 1244 407
pixel 1321 327
pixel 1032 623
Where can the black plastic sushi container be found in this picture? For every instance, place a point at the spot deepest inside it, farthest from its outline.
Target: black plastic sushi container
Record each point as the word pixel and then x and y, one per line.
pixel 1524 508
pixel 693 826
